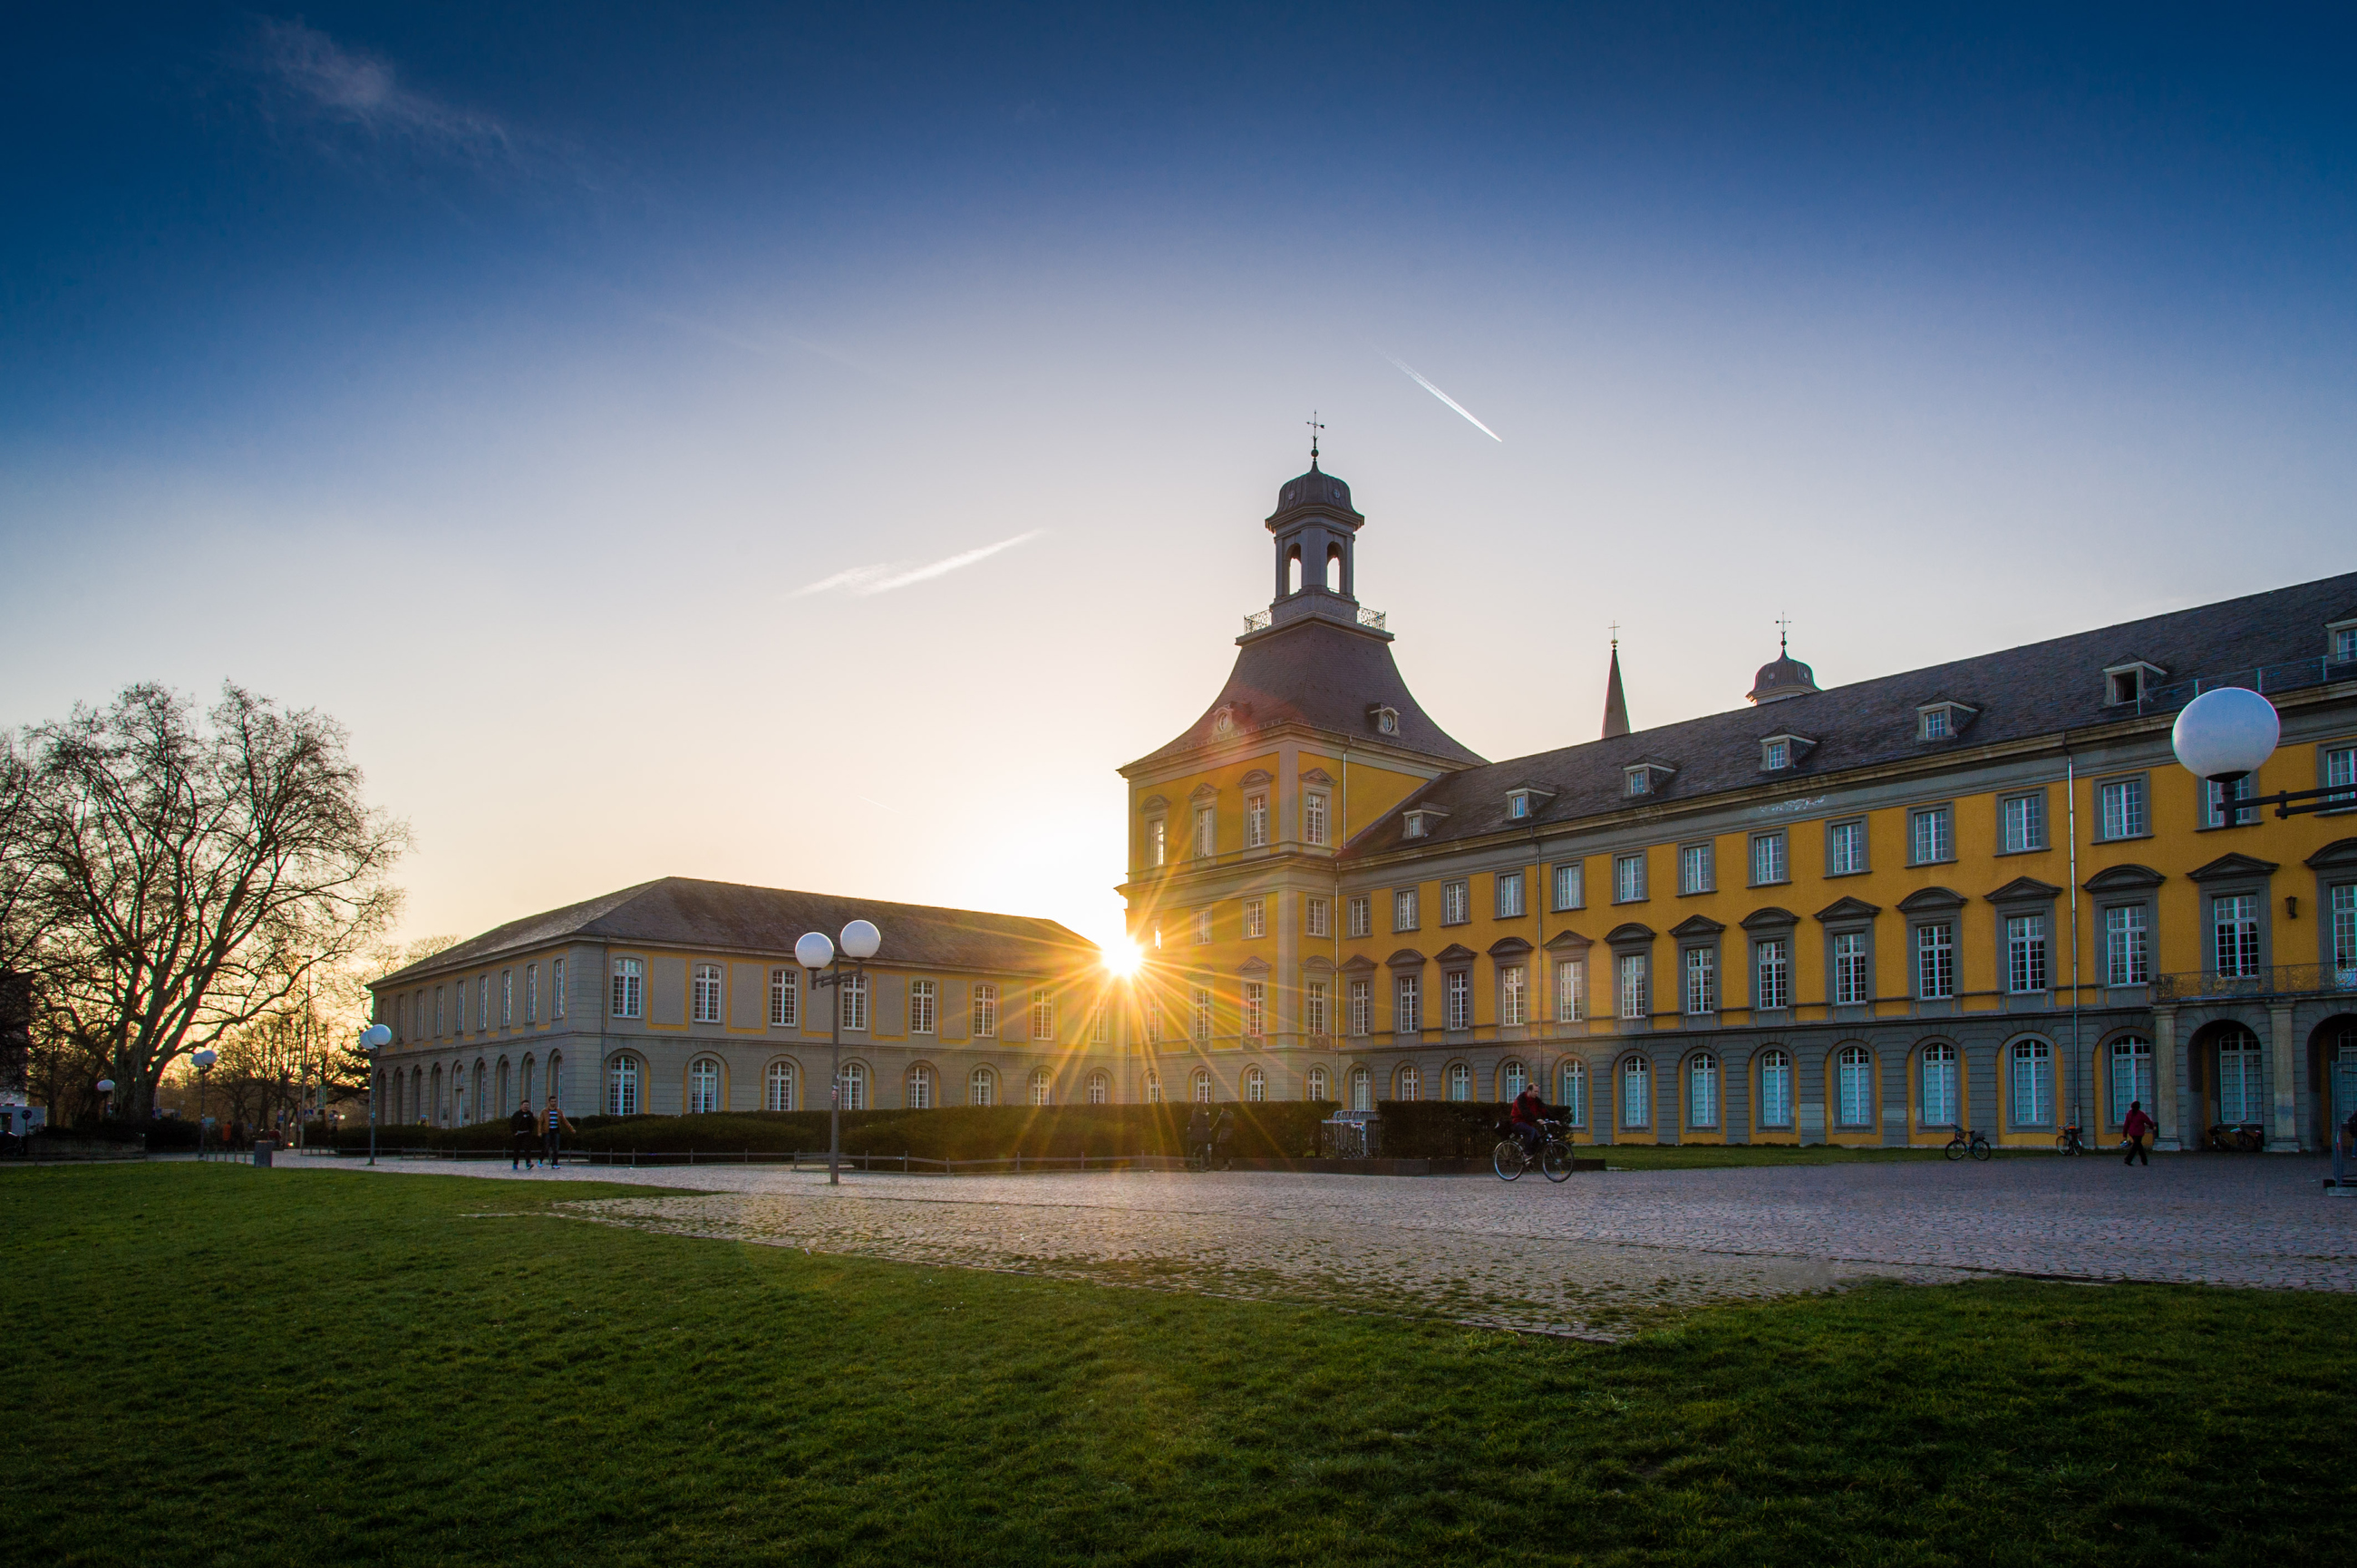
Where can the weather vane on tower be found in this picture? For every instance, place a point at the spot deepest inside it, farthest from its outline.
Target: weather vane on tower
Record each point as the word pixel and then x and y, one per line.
pixel 1313 428
pixel 1783 634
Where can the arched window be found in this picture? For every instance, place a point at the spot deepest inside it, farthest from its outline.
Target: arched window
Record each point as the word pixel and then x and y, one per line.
pixel 1775 1089
pixel 1636 1093
pixel 920 1088
pixel 1938 1073
pixel 1460 1081
pixel 531 1081
pixel 1409 1084
pixel 1203 1087
pixel 1154 1089
pixel 1255 1085
pixel 2033 1083
pixel 778 1087
pixel 556 1076
pixel 1316 1085
pixel 855 1086
pixel 981 1088
pixel 2239 1096
pixel 439 1112
pixel 621 1086
pixel 482 1112
pixel 2131 1076
pixel 1099 1088
pixel 507 1099
pixel 1702 1090
pixel 1363 1089
pixel 1572 1087
pixel 1853 1075
pixel 703 1087
pixel 1512 1079
pixel 1043 1086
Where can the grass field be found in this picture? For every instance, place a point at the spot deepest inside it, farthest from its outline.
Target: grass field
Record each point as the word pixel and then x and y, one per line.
pixel 222 1365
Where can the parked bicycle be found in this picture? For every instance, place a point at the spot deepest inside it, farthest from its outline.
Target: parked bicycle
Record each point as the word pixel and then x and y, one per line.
pixel 2071 1141
pixel 1976 1144
pixel 1511 1158
pixel 2238 1137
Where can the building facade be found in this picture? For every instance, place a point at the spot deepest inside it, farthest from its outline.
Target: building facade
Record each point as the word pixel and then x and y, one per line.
pixel 681 996
pixel 1980 894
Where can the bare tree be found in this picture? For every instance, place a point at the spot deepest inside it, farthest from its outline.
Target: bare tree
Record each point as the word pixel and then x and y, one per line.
pixel 170 878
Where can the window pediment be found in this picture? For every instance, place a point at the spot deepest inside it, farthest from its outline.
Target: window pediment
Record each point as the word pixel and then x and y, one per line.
pixel 2026 890
pixel 1406 958
pixel 1455 952
pixel 1203 792
pixel 1254 967
pixel 2228 867
pixel 1257 776
pixel 1629 935
pixel 1153 806
pixel 1318 777
pixel 1509 947
pixel 1358 963
pixel 1841 910
pixel 1568 941
pixel 1931 901
pixel 2339 853
pixel 2124 879
pixel 1770 918
pixel 1695 925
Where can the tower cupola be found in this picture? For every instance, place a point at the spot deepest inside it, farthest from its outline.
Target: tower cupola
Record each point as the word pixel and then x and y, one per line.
pixel 1783 677
pixel 1315 532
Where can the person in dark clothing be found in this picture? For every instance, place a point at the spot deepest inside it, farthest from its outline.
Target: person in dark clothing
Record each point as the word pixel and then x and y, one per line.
pixel 1199 1130
pixel 1528 1112
pixel 553 1124
pixel 521 1127
pixel 2136 1125
pixel 1223 1132
pixel 2344 1144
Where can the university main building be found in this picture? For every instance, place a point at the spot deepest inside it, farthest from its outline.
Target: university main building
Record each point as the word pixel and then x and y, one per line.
pixel 1982 894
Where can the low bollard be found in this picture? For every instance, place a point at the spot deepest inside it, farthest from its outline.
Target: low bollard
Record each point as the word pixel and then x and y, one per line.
pixel 263 1148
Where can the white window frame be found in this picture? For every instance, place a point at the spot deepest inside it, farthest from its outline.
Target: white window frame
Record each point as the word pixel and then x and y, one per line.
pixel 1571 1088
pixel 1771 858
pixel 1255 917
pixel 625 1086
pixel 1457 902
pixel 1570 885
pixel 1629 877
pixel 1157 842
pixel 1456 993
pixel 1701 966
pixel 1255 1086
pixel 1407 1003
pixel 1360 914
pixel 2216 799
pixel 1316 1085
pixel 851 1000
pixel 2243 1083
pixel 1407 914
pixel 2121 808
pixel 1853 984
pixel 1361 1001
pixel 1853 1080
pixel 1202 1012
pixel 2127 945
pixel 1771 975
pixel 1938 1079
pixel 2128 1063
pixel 2027 971
pixel 982 1087
pixel 2234 936
pixel 1207 832
pixel 629 1000
pixel 531 994
pixel 1256 820
pixel 1317 916
pixel 1636 1094
pixel 1697 868
pixel 1935 961
pixel 1846 847
pixel 1508 888
pixel 1042 1086
pixel 1313 1008
pixel 785 998
pixel 1043 1016
pixel 1513 996
pixel 1702 1090
pixel 1775 1087
pixel 1631 984
pixel 919 1088
pixel 703 1087
pixel 555 988
pixel 1932 835
pixel 2029 1082
pixel 986 1011
pixel 1256 1017
pixel 778 1087
pixel 923 999
pixel 1460 1082
pixel 1203 925
pixel 1571 991
pixel 705 994
pixel 2021 822
pixel 1313 818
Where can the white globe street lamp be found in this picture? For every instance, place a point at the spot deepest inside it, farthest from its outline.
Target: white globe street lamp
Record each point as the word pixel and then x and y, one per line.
pixel 815 952
pixel 373 1038
pixel 106 1093
pixel 204 1056
pixel 2223 735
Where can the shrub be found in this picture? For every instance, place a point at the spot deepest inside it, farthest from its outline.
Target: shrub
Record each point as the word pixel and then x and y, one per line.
pixel 1439 1129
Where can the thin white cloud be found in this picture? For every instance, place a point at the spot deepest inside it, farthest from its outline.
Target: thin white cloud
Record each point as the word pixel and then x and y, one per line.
pixel 863 582
pixel 1446 398
pixel 318 78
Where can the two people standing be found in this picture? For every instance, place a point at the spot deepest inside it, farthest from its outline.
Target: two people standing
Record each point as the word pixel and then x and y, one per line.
pixel 532 1132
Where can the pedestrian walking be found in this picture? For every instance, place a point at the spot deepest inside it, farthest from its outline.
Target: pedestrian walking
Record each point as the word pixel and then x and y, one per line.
pixel 2136 1125
pixel 521 1127
pixel 1199 1134
pixel 553 1123
pixel 2344 1144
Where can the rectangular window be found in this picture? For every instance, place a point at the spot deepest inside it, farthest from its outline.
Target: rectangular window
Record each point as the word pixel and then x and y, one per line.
pixel 1202 926
pixel 1362 1008
pixel 1771 859
pixel 2215 797
pixel 1628 878
pixel 2025 953
pixel 1571 885
pixel 1043 1018
pixel 1255 821
pixel 1313 818
pixel 1702 981
pixel 2235 920
pixel 705 994
pixel 531 993
pixel 458 1007
pixel 630 978
pixel 1633 1004
pixel 785 998
pixel 1100 1026
pixel 1256 916
pixel 557 988
pixel 851 999
pixel 1571 991
pixel 922 998
pixel 1456 903
pixel 438 1010
pixel 1404 910
pixel 1697 868
pixel 483 1003
pixel 1407 1004
pixel 1932 835
pixel 2343 900
pixel 1845 848
pixel 2022 822
pixel 1509 894
pixel 1206 833
pixel 2341 775
pixel 507 998
pixel 1775 756
pixel 1850 979
pixel 2123 813
pixel 1771 963
pixel 1158 843
pixel 1256 1008
pixel 1203 1003
pixel 1935 963
pixel 1775 1090
pixel 986 1012
pixel 2127 946
pixel 1361 912
pixel 1514 1000
pixel 1314 917
pixel 1313 1007
pixel 1458 990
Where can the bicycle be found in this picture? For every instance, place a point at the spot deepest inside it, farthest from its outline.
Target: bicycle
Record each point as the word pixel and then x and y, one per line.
pixel 2246 1137
pixel 1205 1157
pixel 1976 1144
pixel 2069 1142
pixel 1509 1159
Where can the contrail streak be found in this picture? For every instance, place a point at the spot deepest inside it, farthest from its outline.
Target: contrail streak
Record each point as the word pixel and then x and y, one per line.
pixel 1451 402
pixel 887 576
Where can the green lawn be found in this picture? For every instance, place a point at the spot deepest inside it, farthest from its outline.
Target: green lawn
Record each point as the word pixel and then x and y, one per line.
pixel 222 1365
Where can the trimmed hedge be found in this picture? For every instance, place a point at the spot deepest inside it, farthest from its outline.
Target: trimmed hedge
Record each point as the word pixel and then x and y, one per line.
pixel 1270 1130
pixel 1439 1129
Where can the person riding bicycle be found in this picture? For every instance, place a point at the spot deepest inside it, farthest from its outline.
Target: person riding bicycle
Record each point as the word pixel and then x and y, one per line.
pixel 1524 1119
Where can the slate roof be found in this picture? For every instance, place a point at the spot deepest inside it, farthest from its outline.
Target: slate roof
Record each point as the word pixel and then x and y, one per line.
pixel 728 916
pixel 1325 675
pixel 2037 688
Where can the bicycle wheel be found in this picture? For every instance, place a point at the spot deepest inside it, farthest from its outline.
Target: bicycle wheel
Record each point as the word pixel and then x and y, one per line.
pixel 1555 1160
pixel 1956 1148
pixel 2063 1143
pixel 1507 1159
pixel 1981 1149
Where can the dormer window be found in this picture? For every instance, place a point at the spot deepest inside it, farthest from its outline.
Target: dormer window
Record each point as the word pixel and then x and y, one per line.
pixel 2127 685
pixel 1517 806
pixel 1223 721
pixel 1419 823
pixel 1384 720
pixel 1641 780
pixel 1646 777
pixel 1522 804
pixel 1942 720
pixel 1779 752
pixel 2341 641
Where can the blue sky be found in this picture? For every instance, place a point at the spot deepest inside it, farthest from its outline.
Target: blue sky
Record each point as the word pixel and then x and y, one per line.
pixel 499 382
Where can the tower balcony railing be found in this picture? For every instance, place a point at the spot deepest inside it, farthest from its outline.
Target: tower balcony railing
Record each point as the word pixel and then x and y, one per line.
pixel 1256 621
pixel 1373 619
pixel 2272 979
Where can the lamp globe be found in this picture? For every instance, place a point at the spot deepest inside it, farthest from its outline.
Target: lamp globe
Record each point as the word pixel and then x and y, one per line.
pixel 205 1058
pixel 106 1086
pixel 814 950
pixel 2224 734
pixel 376 1037
pixel 861 939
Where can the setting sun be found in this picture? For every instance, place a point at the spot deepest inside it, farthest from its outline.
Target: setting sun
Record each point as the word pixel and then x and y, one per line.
pixel 1122 957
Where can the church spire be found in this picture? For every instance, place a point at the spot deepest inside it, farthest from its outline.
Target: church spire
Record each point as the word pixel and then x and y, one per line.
pixel 1616 707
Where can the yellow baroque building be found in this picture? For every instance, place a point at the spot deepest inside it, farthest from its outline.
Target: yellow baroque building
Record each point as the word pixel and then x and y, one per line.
pixel 1982 894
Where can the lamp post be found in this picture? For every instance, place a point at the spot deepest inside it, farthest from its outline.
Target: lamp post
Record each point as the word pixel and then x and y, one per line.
pixel 373 1038
pixel 816 953
pixel 106 1098
pixel 2223 735
pixel 204 1056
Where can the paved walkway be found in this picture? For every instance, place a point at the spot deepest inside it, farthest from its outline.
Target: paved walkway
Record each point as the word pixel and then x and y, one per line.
pixel 1596 1256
